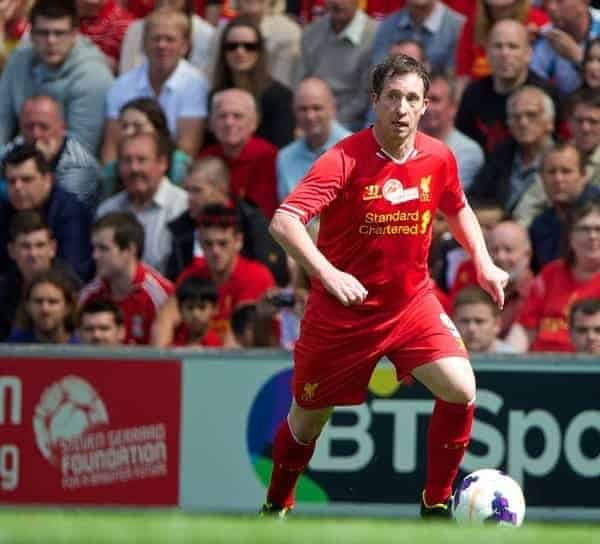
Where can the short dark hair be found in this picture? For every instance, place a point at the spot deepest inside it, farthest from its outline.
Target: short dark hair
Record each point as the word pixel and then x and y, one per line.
pixel 398 66
pixel 99 306
pixel 54 9
pixel 26 222
pixel 585 306
pixel 448 79
pixel 584 95
pixel 126 227
pixel 62 281
pixel 219 215
pixel 574 214
pixel 197 289
pixel 559 147
pixel 24 152
pixel 473 294
pixel 243 316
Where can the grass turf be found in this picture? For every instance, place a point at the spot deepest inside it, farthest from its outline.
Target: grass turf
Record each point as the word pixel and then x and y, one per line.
pixel 90 527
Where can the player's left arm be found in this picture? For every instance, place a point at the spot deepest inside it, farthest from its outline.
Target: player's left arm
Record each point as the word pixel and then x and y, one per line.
pixel 466 230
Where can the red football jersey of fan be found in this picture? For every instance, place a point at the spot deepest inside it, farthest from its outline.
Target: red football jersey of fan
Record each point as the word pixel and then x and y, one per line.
pixel 546 309
pixel 248 282
pixel 375 215
pixel 150 291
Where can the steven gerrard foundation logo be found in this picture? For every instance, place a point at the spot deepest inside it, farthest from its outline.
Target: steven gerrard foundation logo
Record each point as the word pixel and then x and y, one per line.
pixel 66 410
pixel 74 433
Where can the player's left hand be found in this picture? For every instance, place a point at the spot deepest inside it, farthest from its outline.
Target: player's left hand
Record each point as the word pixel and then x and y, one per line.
pixel 493 280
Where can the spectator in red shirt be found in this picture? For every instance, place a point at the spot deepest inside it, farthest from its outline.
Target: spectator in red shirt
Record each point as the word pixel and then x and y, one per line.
pixel 105 23
pixel 197 302
pixel 238 280
pixel 139 290
pixel 101 323
pixel 13 26
pixel 542 323
pixel 251 160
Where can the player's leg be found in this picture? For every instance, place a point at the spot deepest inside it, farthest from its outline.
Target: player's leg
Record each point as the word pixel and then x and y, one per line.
pixel 292 450
pixel 452 382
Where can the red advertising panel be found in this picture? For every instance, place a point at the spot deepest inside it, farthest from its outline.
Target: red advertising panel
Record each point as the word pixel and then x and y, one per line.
pixel 86 431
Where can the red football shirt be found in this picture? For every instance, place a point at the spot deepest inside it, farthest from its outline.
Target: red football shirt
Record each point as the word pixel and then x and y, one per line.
pixel 108 28
pixel 248 282
pixel 210 339
pixel 376 213
pixel 546 309
pixel 252 173
pixel 150 291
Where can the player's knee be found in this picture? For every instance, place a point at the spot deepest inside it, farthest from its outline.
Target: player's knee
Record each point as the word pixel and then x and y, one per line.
pixel 461 394
pixel 306 425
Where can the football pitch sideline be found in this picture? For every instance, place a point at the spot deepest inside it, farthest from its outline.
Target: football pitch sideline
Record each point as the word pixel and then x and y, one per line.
pixel 72 526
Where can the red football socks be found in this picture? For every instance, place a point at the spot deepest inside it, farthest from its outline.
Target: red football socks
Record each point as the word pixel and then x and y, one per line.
pixel 447 439
pixel 290 458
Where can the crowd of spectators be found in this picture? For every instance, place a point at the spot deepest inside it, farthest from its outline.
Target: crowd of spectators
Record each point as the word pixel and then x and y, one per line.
pixel 145 145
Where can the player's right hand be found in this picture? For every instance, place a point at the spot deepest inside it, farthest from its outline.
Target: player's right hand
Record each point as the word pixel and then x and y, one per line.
pixel 345 287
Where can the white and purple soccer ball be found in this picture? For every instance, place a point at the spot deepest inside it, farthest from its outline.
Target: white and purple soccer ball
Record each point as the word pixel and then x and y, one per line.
pixel 489 496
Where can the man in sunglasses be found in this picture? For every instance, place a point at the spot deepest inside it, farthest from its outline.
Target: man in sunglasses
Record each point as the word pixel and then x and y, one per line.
pixel 60 64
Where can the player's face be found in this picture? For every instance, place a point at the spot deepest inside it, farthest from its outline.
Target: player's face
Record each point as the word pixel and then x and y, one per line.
pixel 585 238
pixel 221 247
pixel 399 107
pixel 585 125
pixel 111 261
pixel 27 187
pixel 101 329
pixel 33 252
pixel 527 122
pixel 477 325
pixel 585 333
pixel 509 250
pixel 47 307
pixel 196 314
pixel 562 178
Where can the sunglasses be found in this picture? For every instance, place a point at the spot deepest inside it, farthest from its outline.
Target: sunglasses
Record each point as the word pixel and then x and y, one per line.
pixel 248 46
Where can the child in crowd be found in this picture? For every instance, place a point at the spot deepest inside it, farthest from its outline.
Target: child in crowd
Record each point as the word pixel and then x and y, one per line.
pixel 197 301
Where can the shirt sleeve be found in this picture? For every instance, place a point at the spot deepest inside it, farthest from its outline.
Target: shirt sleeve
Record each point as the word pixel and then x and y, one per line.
pixel 318 188
pixel 453 198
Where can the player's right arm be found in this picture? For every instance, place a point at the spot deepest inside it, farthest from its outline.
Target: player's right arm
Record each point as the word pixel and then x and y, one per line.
pixel 293 237
pixel 166 321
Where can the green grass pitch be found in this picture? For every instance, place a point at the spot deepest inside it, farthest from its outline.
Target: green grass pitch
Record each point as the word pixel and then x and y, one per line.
pixel 71 526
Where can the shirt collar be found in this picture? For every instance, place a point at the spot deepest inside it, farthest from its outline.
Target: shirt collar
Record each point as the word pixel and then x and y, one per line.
pixel 170 84
pixel 161 197
pixel 354 29
pixel 432 23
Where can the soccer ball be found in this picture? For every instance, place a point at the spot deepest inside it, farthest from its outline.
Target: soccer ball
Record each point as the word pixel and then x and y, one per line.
pixel 67 409
pixel 489 496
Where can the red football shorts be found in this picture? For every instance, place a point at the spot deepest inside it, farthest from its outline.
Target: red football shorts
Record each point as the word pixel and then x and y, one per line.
pixel 334 360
